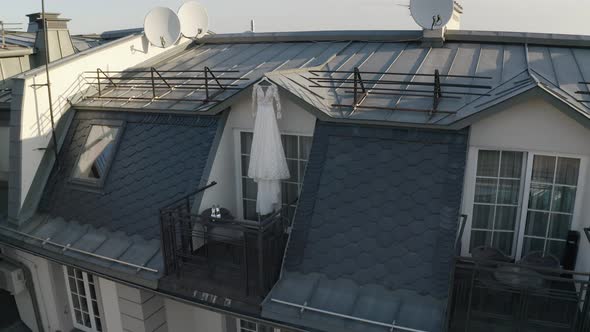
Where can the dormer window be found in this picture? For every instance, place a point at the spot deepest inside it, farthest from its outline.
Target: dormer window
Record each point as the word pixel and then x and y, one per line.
pixel 97 154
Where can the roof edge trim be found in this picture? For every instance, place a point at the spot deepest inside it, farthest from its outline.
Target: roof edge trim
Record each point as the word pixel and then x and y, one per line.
pixel 508 37
pixel 307 36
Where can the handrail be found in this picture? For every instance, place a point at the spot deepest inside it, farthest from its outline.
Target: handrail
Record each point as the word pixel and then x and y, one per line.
pixel 488 262
pixel 304 307
pixel 169 206
pixel 69 247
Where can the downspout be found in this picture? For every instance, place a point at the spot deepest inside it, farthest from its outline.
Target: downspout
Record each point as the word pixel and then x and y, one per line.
pixel 30 287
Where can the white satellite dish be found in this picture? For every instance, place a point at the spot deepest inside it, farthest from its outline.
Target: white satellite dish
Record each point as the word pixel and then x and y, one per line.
pixel 161 27
pixel 432 14
pixel 194 20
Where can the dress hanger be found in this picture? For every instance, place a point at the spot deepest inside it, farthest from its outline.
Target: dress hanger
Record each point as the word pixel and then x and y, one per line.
pixel 266 82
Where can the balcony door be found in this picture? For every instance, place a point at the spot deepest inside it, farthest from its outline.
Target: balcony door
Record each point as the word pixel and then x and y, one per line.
pixel 552 190
pixel 524 201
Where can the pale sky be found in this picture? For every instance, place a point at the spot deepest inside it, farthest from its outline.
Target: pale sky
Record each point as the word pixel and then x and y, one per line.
pixel 553 16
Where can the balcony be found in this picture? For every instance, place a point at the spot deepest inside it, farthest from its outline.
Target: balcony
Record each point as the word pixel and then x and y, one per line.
pixel 503 296
pixel 228 261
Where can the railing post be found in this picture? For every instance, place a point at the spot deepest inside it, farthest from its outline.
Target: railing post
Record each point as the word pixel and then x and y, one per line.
pixel 98 81
pixel 206 83
pixel 153 83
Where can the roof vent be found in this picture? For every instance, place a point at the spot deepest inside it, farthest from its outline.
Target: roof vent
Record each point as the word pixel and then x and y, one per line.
pixel 58 36
pixel 435 17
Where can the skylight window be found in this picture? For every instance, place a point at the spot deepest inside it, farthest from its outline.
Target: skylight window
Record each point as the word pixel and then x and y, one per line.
pixel 97 154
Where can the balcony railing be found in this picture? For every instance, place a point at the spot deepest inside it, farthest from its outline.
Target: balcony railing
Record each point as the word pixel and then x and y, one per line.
pixel 501 296
pixel 227 257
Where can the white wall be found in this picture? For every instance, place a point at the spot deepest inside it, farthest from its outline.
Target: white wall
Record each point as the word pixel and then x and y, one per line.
pixel 226 166
pixel 110 305
pixel 538 126
pixel 185 318
pixel 51 305
pixel 66 80
pixel 4 141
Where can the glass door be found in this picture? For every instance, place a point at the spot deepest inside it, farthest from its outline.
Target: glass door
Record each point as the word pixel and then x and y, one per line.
pixel 552 190
pixel 496 207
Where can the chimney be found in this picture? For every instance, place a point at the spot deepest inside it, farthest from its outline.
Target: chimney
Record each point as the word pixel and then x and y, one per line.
pixel 58 36
pixel 436 37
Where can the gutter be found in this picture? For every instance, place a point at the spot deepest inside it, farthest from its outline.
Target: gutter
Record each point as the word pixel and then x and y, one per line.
pixel 9 53
pixel 30 287
pixel 186 300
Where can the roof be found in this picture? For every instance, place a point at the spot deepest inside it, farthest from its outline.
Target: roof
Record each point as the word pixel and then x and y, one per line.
pixel 374 231
pixel 159 159
pixel 251 60
pixel 5 98
pixel 511 69
pixel 507 63
pixel 27 39
pixel 80 244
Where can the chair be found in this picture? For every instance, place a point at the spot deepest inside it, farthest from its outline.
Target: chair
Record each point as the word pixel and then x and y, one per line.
pixel 487 258
pixel 489 254
pixel 543 260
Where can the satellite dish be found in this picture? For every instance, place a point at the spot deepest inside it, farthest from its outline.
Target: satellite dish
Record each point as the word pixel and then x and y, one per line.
pixel 161 27
pixel 194 20
pixel 432 14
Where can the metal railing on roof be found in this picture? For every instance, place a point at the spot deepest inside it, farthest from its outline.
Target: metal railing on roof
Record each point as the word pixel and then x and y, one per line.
pixel 355 82
pixel 211 81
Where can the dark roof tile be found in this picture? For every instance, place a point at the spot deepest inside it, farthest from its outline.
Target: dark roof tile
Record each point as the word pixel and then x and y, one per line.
pixel 377 214
pixel 159 159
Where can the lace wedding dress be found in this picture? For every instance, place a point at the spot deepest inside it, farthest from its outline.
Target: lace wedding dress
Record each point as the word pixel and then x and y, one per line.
pixel 268 165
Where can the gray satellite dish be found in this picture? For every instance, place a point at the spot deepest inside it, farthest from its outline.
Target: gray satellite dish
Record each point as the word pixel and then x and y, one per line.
pixel 162 27
pixel 194 20
pixel 432 14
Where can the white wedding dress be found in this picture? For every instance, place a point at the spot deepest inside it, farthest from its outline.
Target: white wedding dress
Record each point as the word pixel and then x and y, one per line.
pixel 268 165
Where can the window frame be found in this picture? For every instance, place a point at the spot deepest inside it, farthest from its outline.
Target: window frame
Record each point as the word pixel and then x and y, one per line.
pixel 239 327
pixel 83 183
pixel 469 192
pixel 238 163
pixel 580 191
pixel 495 204
pixel 86 276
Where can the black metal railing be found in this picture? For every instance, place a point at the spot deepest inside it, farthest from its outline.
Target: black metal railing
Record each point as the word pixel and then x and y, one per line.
pixel 161 82
pixel 544 300
pixel 233 254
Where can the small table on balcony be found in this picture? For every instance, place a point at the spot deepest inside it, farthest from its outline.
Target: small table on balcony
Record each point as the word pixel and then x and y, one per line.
pixel 219 233
pixel 520 277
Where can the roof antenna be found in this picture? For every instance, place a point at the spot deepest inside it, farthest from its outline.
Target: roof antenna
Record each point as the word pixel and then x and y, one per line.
pixel 48 83
pixel 252 26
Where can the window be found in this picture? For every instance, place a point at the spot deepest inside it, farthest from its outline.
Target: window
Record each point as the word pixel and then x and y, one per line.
pixel 248 326
pixel 523 202
pixel 551 204
pixel 297 150
pixel 97 154
pixel 83 299
pixel 497 199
